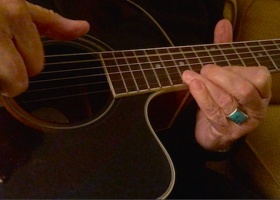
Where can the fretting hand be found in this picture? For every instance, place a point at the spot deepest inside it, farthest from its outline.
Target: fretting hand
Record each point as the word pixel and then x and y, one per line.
pixel 218 91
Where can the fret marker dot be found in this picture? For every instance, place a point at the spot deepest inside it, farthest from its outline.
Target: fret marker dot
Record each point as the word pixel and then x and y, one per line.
pixel 181 63
pixel 260 54
pixel 158 66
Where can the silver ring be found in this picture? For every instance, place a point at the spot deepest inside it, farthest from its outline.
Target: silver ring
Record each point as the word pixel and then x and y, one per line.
pixel 238 116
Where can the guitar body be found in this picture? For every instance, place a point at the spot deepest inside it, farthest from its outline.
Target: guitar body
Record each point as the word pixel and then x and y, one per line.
pixel 119 156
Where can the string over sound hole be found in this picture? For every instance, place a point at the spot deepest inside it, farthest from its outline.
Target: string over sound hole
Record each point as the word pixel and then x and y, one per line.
pixel 72 91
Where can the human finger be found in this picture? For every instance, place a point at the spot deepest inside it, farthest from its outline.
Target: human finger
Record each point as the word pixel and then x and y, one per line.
pixel 223 32
pixel 213 129
pixel 24 35
pixel 222 99
pixel 259 76
pixel 21 48
pixel 240 88
pixel 55 26
pixel 13 76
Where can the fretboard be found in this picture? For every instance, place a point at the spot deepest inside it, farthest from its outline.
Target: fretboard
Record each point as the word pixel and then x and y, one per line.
pixel 146 70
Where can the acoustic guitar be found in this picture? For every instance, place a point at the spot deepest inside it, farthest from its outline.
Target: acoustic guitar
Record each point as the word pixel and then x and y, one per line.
pixel 94 107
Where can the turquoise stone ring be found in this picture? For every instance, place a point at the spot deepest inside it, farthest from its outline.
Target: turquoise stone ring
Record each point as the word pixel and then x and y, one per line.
pixel 238 117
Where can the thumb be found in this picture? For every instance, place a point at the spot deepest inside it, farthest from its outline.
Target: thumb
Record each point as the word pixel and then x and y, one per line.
pixel 55 26
pixel 223 32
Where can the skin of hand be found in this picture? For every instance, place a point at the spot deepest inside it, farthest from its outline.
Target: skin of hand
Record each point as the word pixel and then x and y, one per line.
pixel 21 50
pixel 219 90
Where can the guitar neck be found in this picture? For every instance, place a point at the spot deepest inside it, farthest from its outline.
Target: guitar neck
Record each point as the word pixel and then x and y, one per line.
pixel 146 70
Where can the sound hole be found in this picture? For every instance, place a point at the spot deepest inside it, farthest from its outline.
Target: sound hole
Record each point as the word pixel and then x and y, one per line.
pixel 72 90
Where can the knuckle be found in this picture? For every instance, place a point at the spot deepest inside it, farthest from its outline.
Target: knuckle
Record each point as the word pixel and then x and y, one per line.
pixel 19 87
pixel 15 10
pixel 209 69
pixel 13 79
pixel 214 114
pixel 35 70
pixel 246 90
pixel 263 76
pixel 225 100
pixel 5 34
pixel 35 66
pixel 14 88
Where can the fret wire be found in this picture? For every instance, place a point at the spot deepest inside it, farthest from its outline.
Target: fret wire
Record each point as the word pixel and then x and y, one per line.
pixel 164 67
pixel 110 82
pixel 173 67
pixel 194 63
pixel 175 63
pixel 192 58
pixel 213 49
pixel 133 77
pixel 141 68
pixel 166 60
pixel 267 53
pixel 277 44
pixel 91 83
pixel 120 65
pixel 252 54
pixel 197 57
pixel 150 74
pixel 186 60
pixel 152 68
pixel 261 55
pixel 209 55
pixel 244 65
pixel 278 50
pixel 124 83
pixel 221 50
pixel 247 55
pixel 89 75
pixel 225 54
pixel 237 48
pixel 131 71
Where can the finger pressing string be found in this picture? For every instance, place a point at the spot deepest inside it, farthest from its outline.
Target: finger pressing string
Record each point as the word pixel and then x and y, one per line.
pixel 240 88
pixel 260 77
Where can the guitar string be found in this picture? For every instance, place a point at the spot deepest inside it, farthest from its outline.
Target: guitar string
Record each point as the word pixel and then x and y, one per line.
pixel 87 84
pixel 153 63
pixel 212 60
pixel 162 55
pixel 260 53
pixel 173 60
pixel 132 72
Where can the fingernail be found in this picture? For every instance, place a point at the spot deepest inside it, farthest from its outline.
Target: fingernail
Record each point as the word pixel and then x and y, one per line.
pixel 187 76
pixel 197 85
pixel 205 69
